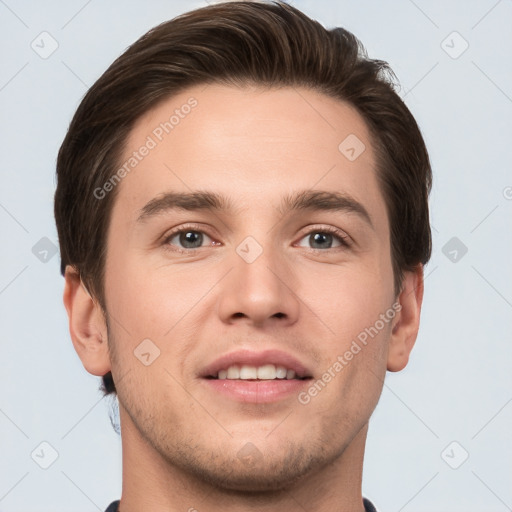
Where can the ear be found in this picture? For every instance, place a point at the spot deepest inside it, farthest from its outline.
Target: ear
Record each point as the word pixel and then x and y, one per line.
pixel 407 320
pixel 87 324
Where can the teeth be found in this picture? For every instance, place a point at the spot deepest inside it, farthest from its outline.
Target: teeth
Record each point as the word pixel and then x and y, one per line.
pixel 233 372
pixel 248 372
pixel 281 372
pixel 265 372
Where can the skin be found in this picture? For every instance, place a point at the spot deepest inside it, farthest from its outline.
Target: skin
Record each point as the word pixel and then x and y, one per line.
pixel 180 440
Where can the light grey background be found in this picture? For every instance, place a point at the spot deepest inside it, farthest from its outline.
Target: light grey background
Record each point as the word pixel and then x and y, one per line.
pixel 457 387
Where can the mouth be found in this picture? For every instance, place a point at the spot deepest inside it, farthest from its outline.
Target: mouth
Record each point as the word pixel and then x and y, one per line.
pixel 263 372
pixel 257 377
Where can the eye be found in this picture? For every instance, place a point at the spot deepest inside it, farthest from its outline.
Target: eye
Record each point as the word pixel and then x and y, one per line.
pixel 189 239
pixel 321 239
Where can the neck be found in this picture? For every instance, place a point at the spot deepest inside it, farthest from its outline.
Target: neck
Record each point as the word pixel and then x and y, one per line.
pixel 151 483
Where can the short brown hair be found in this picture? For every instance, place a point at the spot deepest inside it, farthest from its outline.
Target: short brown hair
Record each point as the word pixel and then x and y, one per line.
pixel 237 43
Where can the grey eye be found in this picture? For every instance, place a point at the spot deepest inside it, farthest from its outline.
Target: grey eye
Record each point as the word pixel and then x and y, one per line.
pixel 321 240
pixel 189 239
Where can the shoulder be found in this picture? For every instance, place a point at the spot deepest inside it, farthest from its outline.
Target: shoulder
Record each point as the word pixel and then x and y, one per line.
pixel 368 506
pixel 113 506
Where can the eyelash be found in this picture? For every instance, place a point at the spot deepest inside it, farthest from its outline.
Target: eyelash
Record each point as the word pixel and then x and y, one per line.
pixel 341 237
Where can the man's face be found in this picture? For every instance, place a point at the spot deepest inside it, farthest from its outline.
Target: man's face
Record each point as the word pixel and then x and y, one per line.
pixel 250 284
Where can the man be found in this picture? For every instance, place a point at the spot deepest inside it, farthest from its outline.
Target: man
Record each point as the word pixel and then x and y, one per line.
pixel 242 208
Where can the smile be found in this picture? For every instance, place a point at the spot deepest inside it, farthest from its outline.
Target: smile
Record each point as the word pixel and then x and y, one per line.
pixel 264 372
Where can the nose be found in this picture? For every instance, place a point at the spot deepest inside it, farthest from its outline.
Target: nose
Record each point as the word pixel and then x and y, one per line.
pixel 259 292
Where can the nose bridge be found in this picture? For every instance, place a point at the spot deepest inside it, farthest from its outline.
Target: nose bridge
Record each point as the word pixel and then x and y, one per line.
pixel 258 266
pixel 260 285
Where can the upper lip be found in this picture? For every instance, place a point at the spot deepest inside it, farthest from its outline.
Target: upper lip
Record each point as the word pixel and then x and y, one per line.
pixel 253 358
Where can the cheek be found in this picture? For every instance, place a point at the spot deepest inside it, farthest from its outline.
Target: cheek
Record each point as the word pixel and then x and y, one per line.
pixel 150 301
pixel 347 301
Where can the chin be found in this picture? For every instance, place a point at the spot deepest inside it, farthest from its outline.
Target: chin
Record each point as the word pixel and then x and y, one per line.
pixel 260 475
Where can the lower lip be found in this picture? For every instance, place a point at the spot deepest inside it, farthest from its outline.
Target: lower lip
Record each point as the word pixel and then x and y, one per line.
pixel 257 391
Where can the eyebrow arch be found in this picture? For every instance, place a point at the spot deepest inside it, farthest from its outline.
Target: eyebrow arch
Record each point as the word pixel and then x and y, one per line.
pixel 313 200
pixel 192 201
pixel 324 201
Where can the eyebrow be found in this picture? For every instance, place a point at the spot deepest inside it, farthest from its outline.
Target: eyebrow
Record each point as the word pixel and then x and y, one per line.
pixel 318 200
pixel 313 200
pixel 192 201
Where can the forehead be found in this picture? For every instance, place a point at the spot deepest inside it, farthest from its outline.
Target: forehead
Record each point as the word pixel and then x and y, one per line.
pixel 250 144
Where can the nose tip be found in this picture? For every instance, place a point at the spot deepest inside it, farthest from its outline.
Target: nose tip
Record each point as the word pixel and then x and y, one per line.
pixel 257 292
